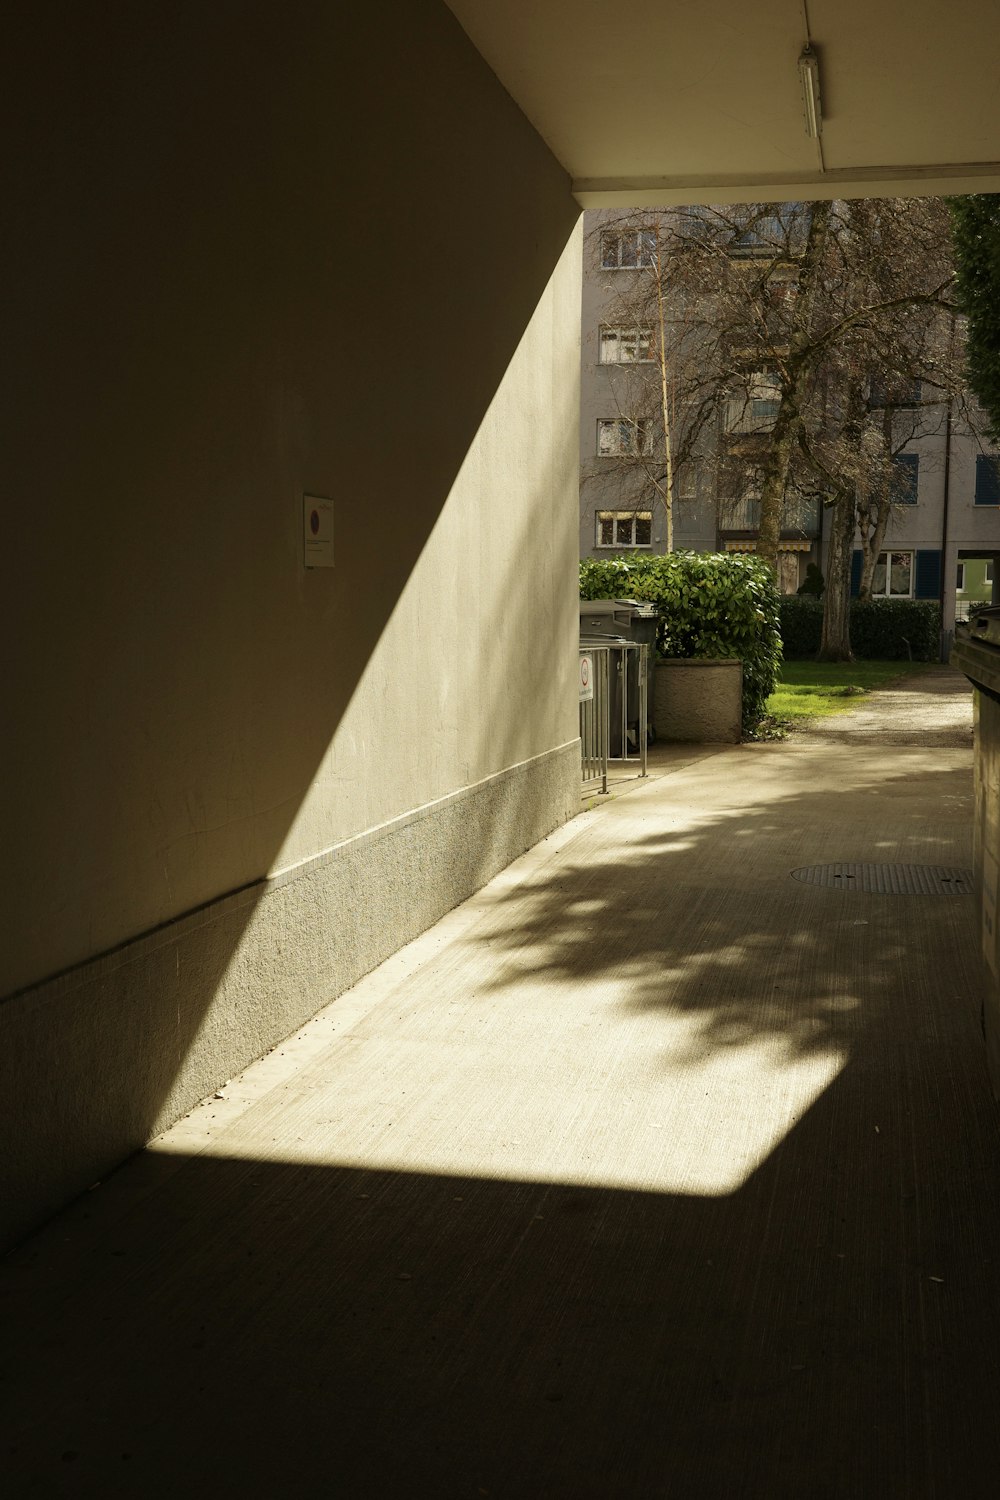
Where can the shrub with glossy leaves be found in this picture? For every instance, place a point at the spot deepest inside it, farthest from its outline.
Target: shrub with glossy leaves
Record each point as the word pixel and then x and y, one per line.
pixel 710 604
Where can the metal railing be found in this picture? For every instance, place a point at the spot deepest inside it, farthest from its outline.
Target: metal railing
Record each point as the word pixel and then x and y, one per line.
pixel 799 514
pixel 966 607
pixel 630 705
pixel 614 722
pixel 594 720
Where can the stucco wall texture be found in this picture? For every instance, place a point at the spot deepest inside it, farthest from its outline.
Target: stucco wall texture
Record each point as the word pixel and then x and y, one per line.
pixel 95 1063
pixel 244 276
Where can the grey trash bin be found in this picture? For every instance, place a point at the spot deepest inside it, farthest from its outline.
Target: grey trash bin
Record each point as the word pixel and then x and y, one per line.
pixel 618 623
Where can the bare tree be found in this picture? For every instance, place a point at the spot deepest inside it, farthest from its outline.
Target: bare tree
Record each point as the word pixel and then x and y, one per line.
pixel 776 349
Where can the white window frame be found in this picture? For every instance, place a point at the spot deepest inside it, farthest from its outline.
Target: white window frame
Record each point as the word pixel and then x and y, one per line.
pixel 645 253
pixel 960 577
pixel 626 344
pixel 641 445
pixel 988 575
pixel 618 517
pixel 895 552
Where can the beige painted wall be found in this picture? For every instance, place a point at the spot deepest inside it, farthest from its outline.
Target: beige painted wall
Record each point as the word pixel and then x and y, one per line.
pixel 261 251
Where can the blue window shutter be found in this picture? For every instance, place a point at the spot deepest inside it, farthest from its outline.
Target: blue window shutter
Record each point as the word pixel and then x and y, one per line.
pixel 907 466
pixel 928 579
pixel 987 479
pixel 855 574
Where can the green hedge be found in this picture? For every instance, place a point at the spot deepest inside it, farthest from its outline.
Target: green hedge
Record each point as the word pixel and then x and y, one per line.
pixel 710 604
pixel 880 628
pixel 801 625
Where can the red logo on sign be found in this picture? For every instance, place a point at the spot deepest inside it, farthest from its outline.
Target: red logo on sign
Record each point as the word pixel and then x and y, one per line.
pixel 314 522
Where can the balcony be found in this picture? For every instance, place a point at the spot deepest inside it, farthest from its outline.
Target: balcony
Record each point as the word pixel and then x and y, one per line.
pixel 800 518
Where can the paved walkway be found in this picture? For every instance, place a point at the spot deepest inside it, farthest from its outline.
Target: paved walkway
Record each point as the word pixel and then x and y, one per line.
pixel 650 1171
pixel 929 708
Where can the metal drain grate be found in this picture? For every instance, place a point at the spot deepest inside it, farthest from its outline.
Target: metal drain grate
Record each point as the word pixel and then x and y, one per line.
pixel 889 880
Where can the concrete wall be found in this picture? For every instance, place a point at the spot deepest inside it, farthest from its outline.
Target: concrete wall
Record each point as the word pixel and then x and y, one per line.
pixel 263 251
pixel 610 390
pixel 971 529
pixel 986 845
pixel 698 700
pixel 974 660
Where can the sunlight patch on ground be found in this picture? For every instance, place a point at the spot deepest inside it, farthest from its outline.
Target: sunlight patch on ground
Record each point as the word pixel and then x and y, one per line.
pixel 689 1115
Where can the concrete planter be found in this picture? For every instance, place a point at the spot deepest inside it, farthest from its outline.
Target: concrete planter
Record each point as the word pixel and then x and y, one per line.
pixel 698 700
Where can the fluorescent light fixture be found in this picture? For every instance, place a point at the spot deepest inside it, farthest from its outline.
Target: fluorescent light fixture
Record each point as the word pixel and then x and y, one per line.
pixel 809 77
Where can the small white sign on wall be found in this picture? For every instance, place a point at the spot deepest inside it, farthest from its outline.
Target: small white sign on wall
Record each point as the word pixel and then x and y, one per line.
pixel 586 678
pixel 317 532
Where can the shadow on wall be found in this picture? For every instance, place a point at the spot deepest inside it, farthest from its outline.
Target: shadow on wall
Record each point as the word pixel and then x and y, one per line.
pixel 238 284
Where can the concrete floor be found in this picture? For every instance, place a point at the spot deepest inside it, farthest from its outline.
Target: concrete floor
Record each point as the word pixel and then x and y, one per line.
pixel 650 1171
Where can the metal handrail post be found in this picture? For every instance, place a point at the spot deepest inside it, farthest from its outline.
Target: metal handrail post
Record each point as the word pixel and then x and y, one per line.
pixel 605 718
pixel 643 705
pixel 594 721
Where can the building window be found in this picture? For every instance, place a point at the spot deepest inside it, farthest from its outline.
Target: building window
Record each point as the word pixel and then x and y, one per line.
pixel 893 576
pixel 628 249
pixel 779 230
pixel 783 285
pixel 902 393
pixel 624 528
pixel 988 575
pixel 764 411
pixel 617 437
pixel 626 346
pixel 754 407
pixel 960 578
pixel 906 468
pixel 987 479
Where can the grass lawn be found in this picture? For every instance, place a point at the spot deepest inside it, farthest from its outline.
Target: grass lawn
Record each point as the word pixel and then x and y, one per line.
pixel 810 689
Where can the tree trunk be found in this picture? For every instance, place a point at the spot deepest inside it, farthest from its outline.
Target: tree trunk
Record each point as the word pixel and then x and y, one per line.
pixel 835 643
pixel 873 538
pixel 668 494
pixel 784 436
pixel 774 479
pixel 872 547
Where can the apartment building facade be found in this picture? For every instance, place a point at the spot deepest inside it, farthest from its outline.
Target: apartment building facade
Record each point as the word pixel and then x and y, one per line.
pixel 943 537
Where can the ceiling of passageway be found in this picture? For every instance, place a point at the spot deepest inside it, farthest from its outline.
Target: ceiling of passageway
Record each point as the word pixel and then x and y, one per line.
pixel 656 99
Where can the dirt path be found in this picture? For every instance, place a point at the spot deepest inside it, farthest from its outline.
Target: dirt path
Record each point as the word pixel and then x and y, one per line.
pixel 930 708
